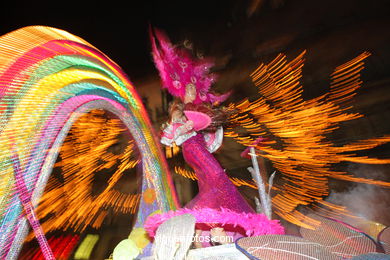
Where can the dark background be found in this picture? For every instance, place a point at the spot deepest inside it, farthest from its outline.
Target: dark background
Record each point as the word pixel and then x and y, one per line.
pixel 248 31
pixel 118 28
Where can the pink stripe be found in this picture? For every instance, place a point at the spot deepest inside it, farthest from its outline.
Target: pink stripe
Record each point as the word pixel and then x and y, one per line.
pixel 49 50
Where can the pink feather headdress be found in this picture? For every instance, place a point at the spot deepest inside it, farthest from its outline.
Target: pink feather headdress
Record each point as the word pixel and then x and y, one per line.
pixel 178 68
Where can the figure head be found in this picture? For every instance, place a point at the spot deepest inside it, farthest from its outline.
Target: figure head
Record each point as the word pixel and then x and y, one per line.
pixel 190 94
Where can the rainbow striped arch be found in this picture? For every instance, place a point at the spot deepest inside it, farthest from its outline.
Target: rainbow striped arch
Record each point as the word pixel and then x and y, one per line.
pixel 48 79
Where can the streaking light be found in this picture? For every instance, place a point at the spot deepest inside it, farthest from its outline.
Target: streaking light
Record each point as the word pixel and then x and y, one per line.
pixel 296 132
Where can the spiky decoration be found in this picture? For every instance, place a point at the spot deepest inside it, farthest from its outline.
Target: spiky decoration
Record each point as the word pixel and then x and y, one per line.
pixel 297 132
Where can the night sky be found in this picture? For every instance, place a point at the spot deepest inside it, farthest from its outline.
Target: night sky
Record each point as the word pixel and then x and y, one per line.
pixel 118 28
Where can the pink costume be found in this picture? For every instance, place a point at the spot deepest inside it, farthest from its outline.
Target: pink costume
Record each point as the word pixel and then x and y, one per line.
pixel 217 194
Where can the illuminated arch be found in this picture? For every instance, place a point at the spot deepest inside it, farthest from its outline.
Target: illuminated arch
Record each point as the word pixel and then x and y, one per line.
pixel 48 79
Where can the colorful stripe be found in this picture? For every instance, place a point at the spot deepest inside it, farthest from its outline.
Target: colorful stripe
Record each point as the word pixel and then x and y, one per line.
pixel 46 75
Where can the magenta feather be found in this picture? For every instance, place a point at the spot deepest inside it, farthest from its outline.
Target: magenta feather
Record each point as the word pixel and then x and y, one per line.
pixel 178 68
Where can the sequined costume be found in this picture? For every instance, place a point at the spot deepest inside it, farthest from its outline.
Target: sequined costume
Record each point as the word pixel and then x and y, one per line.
pixel 215 188
pixel 201 134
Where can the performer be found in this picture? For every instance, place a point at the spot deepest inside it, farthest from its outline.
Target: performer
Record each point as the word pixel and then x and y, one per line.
pixel 190 80
pixel 196 123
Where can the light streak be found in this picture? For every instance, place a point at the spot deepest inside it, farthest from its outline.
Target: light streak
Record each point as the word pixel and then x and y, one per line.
pixel 301 150
pixel 85 154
